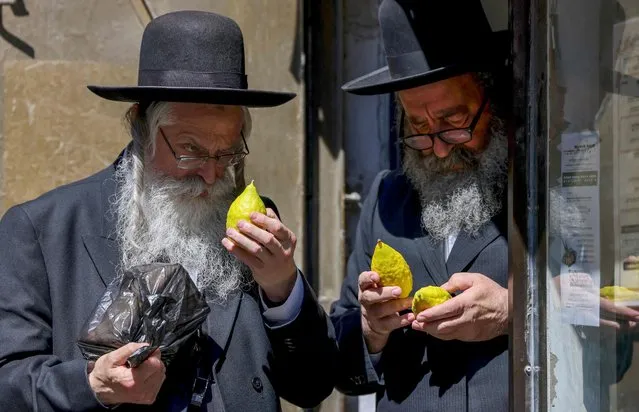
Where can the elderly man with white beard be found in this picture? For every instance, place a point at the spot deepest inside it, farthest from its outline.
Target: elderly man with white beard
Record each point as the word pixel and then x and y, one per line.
pixel 164 199
pixel 444 211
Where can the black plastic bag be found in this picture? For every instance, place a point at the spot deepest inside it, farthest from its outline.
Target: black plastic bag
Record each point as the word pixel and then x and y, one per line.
pixel 157 303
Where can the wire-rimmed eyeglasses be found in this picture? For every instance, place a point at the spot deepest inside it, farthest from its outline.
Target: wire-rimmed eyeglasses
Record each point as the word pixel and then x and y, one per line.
pixel 195 162
pixel 424 141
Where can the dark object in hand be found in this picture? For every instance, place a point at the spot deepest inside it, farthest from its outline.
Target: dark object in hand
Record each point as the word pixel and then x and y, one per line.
pixel 157 303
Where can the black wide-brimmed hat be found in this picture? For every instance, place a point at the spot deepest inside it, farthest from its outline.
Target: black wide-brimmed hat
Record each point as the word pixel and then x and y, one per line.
pixel 430 40
pixel 194 57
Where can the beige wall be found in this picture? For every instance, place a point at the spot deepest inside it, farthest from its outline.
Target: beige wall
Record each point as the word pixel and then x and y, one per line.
pixel 53 129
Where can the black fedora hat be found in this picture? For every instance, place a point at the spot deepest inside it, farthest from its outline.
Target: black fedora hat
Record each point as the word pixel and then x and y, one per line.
pixel 430 40
pixel 194 57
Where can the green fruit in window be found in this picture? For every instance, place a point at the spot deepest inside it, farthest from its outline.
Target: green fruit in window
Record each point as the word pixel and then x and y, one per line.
pixel 618 293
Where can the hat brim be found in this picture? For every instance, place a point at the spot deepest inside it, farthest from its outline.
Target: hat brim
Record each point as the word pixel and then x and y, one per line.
pixel 381 82
pixel 232 97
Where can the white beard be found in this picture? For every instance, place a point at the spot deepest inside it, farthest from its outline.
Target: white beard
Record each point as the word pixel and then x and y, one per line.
pixel 174 225
pixel 460 200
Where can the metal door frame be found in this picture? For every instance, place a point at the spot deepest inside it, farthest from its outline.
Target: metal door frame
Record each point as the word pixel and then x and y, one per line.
pixel 527 187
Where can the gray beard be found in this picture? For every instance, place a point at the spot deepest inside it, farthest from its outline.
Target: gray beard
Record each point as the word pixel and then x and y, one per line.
pixel 466 199
pixel 170 223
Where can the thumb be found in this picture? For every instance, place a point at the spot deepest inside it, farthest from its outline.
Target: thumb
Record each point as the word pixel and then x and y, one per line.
pixel 458 282
pixel 119 356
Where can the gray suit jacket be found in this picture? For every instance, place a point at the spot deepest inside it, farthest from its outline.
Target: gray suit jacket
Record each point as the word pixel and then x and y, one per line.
pixel 57 254
pixel 416 370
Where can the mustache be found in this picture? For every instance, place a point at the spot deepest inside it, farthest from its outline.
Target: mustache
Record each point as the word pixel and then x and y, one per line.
pixel 190 186
pixel 459 156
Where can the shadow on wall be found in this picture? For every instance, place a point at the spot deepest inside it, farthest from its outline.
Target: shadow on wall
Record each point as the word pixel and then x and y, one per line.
pixel 296 68
pixel 19 10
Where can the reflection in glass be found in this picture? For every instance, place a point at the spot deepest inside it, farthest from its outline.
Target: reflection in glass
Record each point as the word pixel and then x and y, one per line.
pixel 593 208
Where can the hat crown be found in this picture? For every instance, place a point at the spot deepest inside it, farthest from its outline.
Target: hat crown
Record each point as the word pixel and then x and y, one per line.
pixel 428 34
pixel 192 57
pixel 207 45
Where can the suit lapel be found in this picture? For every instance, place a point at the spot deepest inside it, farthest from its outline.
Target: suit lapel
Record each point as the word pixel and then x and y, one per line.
pixel 103 248
pixel 433 259
pixel 105 255
pixel 467 247
pixel 221 320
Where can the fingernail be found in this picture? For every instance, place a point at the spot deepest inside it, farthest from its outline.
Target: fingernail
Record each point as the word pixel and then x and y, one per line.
pixel 397 292
pixel 253 216
pixel 411 317
pixel 241 224
pixel 420 318
pixel 229 232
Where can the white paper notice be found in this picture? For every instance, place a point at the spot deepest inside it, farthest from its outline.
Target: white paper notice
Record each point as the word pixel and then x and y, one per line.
pixel 580 262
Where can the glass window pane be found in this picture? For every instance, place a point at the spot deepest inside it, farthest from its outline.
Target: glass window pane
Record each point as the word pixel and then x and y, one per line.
pixel 593 205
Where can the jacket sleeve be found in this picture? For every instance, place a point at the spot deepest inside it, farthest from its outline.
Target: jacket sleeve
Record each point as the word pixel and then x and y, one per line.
pixel 356 375
pixel 31 378
pixel 304 354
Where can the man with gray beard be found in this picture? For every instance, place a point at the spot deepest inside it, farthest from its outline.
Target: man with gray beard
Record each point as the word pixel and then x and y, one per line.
pixel 165 199
pixel 444 211
pixel 178 223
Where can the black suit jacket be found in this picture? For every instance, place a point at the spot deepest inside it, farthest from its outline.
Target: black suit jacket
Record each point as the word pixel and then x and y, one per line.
pixel 416 370
pixel 58 253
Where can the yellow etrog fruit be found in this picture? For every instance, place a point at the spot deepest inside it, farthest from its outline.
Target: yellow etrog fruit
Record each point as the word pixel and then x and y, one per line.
pixel 247 202
pixel 392 268
pixel 618 293
pixel 429 296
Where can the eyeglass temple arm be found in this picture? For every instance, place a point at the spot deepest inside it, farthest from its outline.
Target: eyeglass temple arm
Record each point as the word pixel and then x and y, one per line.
pixel 479 113
pixel 400 126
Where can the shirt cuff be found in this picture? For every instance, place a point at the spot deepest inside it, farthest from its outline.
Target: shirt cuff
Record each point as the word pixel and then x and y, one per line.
pixel 287 312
